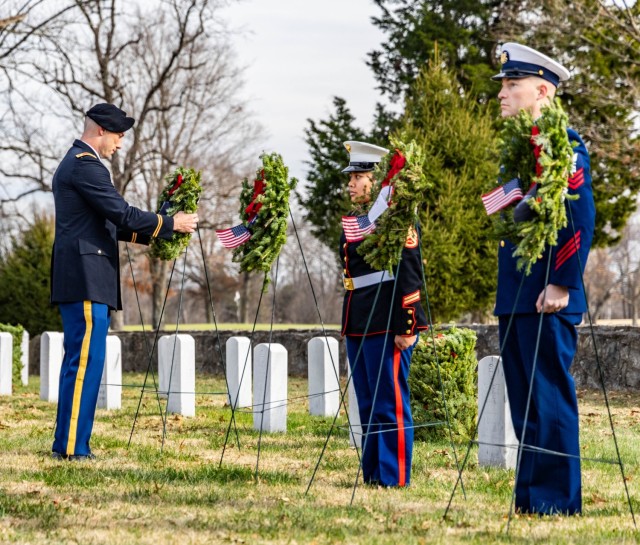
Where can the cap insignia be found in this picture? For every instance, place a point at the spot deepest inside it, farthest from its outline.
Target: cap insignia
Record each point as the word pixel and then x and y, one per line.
pixel 348 146
pixel 504 57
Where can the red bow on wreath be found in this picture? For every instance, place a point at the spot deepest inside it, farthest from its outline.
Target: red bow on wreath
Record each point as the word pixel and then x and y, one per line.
pixel 396 164
pixel 254 207
pixel 176 185
pixel 537 149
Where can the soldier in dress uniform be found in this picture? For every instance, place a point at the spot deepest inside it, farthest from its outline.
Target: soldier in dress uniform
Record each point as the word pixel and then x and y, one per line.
pixel 381 325
pixel 547 483
pixel 91 216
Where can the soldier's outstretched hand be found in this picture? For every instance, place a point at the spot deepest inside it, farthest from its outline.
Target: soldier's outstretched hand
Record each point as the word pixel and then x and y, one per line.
pixel 185 223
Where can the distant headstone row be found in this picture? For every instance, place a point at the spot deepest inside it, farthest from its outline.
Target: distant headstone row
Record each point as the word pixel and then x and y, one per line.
pixel 267 372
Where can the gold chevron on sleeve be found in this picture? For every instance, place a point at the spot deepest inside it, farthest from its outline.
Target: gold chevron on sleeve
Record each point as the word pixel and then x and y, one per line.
pixel 411 298
pixel 158 227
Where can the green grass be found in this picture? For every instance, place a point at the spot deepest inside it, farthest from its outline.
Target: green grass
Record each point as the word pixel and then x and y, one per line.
pixel 181 494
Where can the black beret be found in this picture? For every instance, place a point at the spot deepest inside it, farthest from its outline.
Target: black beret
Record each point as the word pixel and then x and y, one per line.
pixel 110 117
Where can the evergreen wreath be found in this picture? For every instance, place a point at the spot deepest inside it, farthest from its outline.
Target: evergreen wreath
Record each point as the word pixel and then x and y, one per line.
pixel 265 213
pixel 517 139
pixel 383 247
pixel 181 194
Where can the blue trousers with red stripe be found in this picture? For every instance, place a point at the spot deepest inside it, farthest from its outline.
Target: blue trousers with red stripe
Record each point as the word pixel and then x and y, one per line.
pixel 381 371
pixel 85 325
pixel 547 483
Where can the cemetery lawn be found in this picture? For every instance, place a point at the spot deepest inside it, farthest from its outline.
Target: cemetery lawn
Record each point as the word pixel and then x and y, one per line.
pixel 181 495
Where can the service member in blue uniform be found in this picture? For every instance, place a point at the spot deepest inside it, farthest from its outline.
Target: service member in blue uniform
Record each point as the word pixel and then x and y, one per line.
pixel 547 483
pixel 91 216
pixel 380 339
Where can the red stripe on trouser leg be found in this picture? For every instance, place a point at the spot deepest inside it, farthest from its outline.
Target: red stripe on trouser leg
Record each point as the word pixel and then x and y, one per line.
pixel 397 355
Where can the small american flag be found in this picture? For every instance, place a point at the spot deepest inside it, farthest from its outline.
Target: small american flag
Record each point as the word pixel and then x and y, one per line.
pixel 356 227
pixel 234 236
pixel 502 196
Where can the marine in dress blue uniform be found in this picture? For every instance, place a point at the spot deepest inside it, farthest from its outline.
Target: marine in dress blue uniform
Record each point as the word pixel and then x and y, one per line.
pixel 377 308
pixel 91 216
pixel 547 483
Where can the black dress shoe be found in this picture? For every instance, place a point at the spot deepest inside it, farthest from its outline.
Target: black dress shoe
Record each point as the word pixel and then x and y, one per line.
pixel 73 457
pixel 82 457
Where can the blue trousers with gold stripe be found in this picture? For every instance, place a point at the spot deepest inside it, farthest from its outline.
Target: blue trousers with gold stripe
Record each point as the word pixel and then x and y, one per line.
pixel 85 326
pixel 547 483
pixel 388 443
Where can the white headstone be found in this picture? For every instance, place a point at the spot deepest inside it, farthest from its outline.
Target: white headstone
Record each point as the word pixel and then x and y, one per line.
pixel 177 373
pixel 355 431
pixel 110 393
pixel 6 363
pixel 238 362
pixel 324 388
pixel 495 427
pixel 51 354
pixel 270 387
pixel 24 346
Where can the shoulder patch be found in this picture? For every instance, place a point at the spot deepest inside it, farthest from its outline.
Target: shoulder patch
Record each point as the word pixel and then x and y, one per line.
pixel 85 154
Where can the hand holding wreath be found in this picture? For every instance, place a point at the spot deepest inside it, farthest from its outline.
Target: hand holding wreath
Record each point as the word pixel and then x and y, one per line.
pixel 180 194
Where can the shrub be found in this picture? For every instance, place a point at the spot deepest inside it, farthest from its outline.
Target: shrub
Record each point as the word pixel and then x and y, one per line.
pixel 453 349
pixel 16 332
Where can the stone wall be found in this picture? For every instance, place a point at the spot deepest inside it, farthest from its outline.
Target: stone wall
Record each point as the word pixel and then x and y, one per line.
pixel 618 349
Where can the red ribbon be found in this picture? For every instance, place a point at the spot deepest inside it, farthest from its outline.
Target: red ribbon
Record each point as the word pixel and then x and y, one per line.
pixel 537 149
pixel 176 185
pixel 258 189
pixel 396 164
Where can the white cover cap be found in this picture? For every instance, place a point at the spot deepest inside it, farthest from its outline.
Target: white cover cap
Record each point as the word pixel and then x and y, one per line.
pixel 363 157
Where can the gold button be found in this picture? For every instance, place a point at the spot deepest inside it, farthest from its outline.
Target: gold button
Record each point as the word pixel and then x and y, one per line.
pixel 408 332
pixel 502 244
pixel 344 245
pixel 99 251
pixel 410 311
pixel 345 271
pixel 409 322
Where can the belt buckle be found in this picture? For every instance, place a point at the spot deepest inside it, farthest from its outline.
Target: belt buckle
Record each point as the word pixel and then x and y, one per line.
pixel 347 283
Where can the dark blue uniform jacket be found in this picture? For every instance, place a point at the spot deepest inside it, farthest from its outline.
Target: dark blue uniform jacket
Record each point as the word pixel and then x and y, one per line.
pixel 407 315
pixel 91 216
pixel 568 257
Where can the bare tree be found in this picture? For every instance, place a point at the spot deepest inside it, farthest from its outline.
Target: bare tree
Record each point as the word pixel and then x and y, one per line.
pixel 601 281
pixel 168 64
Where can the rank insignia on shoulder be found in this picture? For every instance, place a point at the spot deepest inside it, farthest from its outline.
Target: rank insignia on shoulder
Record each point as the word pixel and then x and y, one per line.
pixel 85 154
pixel 412 238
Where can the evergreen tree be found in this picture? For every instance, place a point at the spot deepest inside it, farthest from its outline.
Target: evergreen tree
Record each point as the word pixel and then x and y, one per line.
pixel 325 199
pixel 459 142
pixel 25 280
pixel 414 29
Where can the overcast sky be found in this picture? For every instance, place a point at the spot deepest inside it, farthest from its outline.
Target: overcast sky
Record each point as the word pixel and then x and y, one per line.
pixel 298 56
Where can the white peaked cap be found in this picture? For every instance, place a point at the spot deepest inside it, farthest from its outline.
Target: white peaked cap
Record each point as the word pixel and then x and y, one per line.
pixel 363 157
pixel 519 61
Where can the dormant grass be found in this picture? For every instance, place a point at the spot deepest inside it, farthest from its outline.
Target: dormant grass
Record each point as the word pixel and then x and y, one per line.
pixel 151 493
